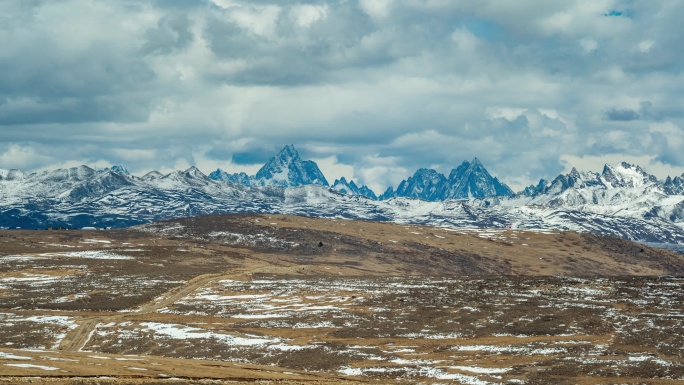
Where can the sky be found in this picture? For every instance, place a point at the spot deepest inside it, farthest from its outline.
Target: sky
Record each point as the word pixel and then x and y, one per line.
pixel 369 89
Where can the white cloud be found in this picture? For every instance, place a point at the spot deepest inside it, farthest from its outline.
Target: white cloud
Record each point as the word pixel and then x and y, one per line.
pixel 581 17
pixel 20 157
pixel 307 14
pixel 645 46
pixel 589 44
pixel 379 172
pixel 333 169
pixel 464 39
pixel 508 113
pixel 259 20
pixel 377 9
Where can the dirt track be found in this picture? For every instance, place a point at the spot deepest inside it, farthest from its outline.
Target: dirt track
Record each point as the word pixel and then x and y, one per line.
pixel 77 338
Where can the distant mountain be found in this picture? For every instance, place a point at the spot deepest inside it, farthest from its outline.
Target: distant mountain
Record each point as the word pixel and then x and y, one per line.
pixel 469 180
pixel 350 187
pixel 674 186
pixel 152 175
pixel 472 180
pixel 117 169
pixel 286 169
pixel 623 190
pixel 237 178
pixel 425 184
pixel 622 200
pixel 615 184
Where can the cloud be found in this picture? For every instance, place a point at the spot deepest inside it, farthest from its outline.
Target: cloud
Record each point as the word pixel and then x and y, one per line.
pixel 668 138
pixel 621 115
pixel 377 9
pixel 645 46
pixel 524 86
pixel 20 157
pixel 305 15
pixel 589 44
pixel 172 32
pixel 591 163
pixel 333 169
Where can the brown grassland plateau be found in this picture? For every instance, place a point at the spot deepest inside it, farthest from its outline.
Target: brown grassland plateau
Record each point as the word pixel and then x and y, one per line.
pixel 275 299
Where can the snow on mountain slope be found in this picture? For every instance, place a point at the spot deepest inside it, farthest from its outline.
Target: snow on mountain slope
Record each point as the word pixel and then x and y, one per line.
pixel 472 180
pixel 237 178
pixel 350 187
pixel 13 174
pixel 639 209
pixel 469 180
pixel 286 169
pixel 623 190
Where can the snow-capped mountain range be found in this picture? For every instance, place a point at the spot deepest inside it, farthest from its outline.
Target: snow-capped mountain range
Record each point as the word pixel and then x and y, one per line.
pixel 469 180
pixel 622 200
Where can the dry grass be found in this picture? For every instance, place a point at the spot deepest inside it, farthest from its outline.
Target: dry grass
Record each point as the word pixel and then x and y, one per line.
pixel 245 299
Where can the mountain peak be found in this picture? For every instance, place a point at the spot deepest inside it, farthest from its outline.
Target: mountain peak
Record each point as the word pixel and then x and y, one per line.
pixel 194 172
pixel 349 187
pixel 288 169
pixel 120 169
pixel 289 149
pixel 472 180
pixel 626 175
pixel 152 175
pixel 117 169
pixel 469 180
pixel 288 155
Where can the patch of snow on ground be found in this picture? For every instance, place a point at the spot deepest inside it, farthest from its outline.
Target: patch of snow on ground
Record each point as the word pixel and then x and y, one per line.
pixel 181 332
pixel 42 278
pixel 31 366
pixel 10 356
pixel 508 349
pixel 53 319
pixel 480 370
pixel 347 371
pixel 89 254
pixel 12 258
pixel 290 348
pixel 95 241
pixel 322 324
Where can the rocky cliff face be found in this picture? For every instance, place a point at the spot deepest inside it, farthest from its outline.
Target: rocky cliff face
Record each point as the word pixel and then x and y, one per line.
pixel 469 180
pixel 286 169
